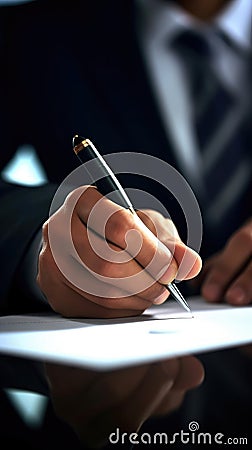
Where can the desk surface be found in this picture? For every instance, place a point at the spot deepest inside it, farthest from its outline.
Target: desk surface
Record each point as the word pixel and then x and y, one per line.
pixel 161 332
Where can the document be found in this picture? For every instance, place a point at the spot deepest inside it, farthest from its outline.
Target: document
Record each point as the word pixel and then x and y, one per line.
pixel 161 332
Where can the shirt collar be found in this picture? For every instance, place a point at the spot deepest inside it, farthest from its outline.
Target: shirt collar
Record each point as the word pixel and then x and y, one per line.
pixel 235 22
pixel 160 19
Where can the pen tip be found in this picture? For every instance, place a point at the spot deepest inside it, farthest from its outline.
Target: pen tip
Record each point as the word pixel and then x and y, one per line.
pixel 77 140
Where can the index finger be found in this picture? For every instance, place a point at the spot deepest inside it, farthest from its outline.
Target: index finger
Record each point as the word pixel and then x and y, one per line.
pixel 124 229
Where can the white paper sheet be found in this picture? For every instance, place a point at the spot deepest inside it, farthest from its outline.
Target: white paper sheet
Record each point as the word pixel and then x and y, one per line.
pixel 161 332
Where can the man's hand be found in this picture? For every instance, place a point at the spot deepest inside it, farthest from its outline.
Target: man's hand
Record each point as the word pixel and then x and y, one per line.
pixel 100 260
pixel 228 274
pixel 95 404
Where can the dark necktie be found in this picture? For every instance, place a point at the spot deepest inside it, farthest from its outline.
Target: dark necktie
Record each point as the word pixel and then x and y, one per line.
pixel 218 120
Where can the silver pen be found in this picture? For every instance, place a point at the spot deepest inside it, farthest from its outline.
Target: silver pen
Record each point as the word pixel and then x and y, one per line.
pixel 86 151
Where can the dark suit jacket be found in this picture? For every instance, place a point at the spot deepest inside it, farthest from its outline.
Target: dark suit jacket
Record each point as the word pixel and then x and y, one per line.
pixel 74 67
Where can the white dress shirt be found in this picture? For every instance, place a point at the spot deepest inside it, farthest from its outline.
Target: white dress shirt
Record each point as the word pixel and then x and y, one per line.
pixel 159 21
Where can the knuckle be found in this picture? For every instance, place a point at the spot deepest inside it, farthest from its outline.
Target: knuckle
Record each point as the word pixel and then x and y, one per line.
pixel 75 194
pixel 45 227
pixel 170 243
pixel 45 257
pixel 38 279
pixel 48 271
pixel 243 237
pixel 77 198
pixel 144 215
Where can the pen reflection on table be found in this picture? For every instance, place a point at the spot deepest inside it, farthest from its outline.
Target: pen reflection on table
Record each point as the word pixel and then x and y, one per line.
pixel 86 151
pixel 96 404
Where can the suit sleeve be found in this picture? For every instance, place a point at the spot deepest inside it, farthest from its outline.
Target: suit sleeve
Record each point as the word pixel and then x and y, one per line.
pixel 22 213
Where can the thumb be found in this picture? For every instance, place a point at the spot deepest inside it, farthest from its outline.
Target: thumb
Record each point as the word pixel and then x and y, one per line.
pixel 188 260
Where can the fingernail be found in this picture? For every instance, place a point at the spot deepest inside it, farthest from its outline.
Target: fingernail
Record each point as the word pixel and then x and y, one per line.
pixel 161 298
pixel 236 295
pixel 211 291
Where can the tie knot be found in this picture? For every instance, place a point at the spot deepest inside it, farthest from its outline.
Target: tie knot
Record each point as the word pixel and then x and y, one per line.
pixel 192 44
